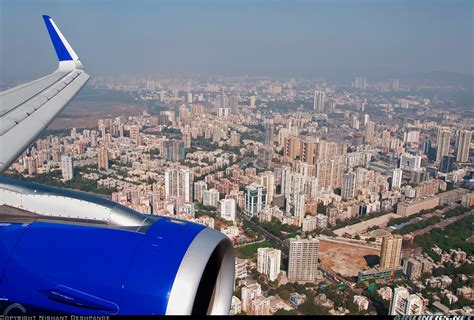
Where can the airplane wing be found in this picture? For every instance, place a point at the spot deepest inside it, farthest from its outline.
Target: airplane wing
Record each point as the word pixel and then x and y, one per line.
pixel 26 110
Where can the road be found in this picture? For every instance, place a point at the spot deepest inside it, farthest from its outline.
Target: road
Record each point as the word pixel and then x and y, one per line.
pixel 264 231
pixel 329 274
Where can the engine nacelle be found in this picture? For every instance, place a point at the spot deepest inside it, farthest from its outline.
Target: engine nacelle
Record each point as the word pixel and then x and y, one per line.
pixel 168 267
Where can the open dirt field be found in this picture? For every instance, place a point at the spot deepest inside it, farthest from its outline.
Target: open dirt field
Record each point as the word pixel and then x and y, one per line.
pixel 346 259
pixel 85 114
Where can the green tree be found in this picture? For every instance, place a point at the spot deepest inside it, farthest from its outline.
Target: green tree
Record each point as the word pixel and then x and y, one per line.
pixel 284 294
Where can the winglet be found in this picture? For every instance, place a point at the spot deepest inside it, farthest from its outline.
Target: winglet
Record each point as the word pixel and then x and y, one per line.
pixel 68 59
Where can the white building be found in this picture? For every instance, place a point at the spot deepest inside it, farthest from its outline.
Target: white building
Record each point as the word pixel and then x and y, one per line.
pixel 299 208
pixel 397 178
pixel 227 209
pixel 179 183
pixel 309 224
pixel 199 188
pixel 303 259
pixel 210 197
pixel 404 303
pixel 318 103
pixel 410 162
pixel 67 168
pixel 268 262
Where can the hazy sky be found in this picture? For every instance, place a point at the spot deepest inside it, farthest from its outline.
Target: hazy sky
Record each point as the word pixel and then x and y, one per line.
pixel 290 38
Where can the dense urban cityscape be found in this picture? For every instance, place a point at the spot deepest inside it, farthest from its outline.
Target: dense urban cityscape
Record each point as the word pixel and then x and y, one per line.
pixel 339 198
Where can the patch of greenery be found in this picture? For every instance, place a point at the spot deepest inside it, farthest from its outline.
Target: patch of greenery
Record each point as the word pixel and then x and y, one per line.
pixel 53 179
pixel 278 229
pixel 249 251
pixel 417 225
pixel 452 236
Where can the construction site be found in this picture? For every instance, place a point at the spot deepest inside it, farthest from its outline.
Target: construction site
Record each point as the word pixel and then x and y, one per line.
pixel 347 258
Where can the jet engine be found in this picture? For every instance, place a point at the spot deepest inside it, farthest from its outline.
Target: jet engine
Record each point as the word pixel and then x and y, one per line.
pixel 92 256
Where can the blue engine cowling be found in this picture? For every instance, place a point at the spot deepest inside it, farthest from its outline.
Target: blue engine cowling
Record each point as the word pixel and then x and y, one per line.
pixel 172 267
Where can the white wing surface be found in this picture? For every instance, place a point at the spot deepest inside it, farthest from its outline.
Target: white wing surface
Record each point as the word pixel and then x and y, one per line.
pixel 26 110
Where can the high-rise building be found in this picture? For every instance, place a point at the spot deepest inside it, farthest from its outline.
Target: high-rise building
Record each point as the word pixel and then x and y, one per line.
pixel 397 178
pixel 291 148
pixel 390 253
pixel 179 183
pixel 210 197
pixel 299 207
pixel 303 259
pixel 348 189
pixel 386 137
pixel 365 118
pixel 234 104
pixel 255 198
pixel 134 131
pixel 405 304
pixel 426 147
pixel 267 179
pixel 189 97
pixel 199 188
pixel 223 112
pixel 222 101
pixel 412 136
pixel 355 123
pixel 463 144
pixel 173 150
pixel 308 151
pixel 395 84
pixel 268 262
pixel 187 139
pixel 442 142
pixel 150 85
pixel 253 100
pixel 447 163
pixel 360 83
pixel 269 131
pixel 103 159
pixel 227 208
pixel 370 132
pixel 67 168
pixel 235 139
pixel 318 100
pixel 410 162
pixel 329 172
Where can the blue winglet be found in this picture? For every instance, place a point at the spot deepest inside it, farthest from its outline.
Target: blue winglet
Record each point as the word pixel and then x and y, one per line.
pixel 61 50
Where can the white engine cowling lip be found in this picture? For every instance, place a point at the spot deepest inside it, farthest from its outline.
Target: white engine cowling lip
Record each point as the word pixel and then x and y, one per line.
pixel 188 277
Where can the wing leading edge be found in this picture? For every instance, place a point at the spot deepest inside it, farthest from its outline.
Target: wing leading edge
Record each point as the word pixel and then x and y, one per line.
pixel 26 110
